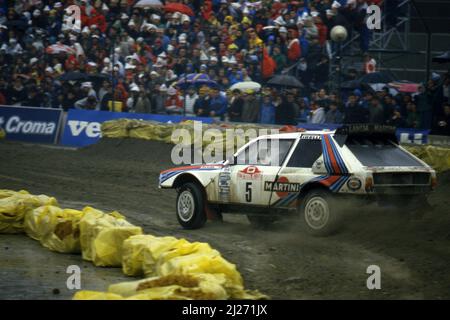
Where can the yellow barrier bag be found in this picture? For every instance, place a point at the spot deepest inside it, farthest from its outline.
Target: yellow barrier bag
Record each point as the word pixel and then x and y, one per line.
pixel 34 225
pixel 202 262
pixel 134 249
pixel 185 286
pixel 107 246
pixel 2 134
pixel 64 235
pixel 154 251
pixel 436 157
pixel 4 193
pixel 96 295
pixel 14 208
pixel 102 236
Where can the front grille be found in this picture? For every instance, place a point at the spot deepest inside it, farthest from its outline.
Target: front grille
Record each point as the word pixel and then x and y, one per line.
pixel 401 178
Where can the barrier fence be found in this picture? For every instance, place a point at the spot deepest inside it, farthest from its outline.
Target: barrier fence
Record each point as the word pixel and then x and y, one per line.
pixel 79 128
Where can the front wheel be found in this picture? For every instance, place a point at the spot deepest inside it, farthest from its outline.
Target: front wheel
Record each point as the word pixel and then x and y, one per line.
pixel 319 213
pixel 191 206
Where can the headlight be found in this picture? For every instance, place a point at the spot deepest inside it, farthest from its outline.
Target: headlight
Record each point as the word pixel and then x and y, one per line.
pixel 354 184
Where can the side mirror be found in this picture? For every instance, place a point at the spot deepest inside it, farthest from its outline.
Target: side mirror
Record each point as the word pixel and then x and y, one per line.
pixel 319 167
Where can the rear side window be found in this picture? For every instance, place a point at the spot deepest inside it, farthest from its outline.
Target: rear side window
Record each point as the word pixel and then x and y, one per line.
pixel 306 153
pixel 380 153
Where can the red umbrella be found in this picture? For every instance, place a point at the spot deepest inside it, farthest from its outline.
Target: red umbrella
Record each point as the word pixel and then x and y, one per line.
pixel 57 48
pixel 179 7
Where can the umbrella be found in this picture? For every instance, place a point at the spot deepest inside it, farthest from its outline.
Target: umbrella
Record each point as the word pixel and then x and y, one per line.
pixel 285 81
pixel 405 86
pixel 377 77
pixel 179 7
pixel 57 48
pixel 97 77
pixel 195 79
pixel 246 85
pixel 443 58
pixel 73 76
pixel 149 4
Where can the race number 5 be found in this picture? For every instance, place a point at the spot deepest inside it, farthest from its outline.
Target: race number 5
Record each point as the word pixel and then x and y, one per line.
pixel 248 192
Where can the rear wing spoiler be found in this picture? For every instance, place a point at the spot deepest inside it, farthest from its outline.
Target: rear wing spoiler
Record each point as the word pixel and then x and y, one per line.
pixel 383 132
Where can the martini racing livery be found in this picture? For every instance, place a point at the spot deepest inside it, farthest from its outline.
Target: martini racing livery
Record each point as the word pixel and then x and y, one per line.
pixel 311 173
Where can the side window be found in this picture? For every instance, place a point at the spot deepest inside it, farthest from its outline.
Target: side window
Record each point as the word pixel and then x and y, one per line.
pixel 268 152
pixel 306 153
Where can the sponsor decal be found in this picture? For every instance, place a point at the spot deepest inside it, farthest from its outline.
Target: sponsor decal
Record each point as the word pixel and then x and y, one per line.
pixel 249 173
pixel 282 187
pixel 310 137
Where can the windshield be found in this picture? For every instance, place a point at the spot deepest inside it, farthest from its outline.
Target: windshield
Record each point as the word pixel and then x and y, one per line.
pixel 380 153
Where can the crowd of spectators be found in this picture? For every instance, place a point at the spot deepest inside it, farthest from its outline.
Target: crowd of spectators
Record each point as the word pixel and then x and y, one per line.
pixel 119 57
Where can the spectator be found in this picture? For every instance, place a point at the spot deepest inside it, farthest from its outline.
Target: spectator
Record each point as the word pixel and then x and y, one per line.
pixel 217 104
pixel 412 117
pixel 377 114
pixel 443 124
pixel 424 109
pixel 201 106
pixel 235 110
pixel 173 103
pixel 317 114
pixel 190 99
pixel 251 107
pixel 354 113
pixel 285 110
pixel 333 115
pixel 396 119
pixel 267 111
pixel 303 110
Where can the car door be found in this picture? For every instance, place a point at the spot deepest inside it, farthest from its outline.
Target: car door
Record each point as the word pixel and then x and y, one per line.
pixel 296 171
pixel 258 163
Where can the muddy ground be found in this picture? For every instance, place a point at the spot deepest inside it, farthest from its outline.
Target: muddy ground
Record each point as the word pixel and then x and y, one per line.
pixel 413 253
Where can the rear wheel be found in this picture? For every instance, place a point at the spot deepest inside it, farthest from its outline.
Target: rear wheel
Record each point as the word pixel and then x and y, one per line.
pixel 191 206
pixel 320 213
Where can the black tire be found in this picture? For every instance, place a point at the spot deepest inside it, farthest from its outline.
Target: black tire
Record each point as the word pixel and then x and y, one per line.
pixel 320 213
pixel 261 222
pixel 193 217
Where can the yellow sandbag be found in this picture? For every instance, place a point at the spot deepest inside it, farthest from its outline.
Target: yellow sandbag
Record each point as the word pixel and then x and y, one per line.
pixel 102 236
pixel 134 248
pixel 186 286
pixel 202 262
pixel 14 207
pixel 2 134
pixel 436 157
pixel 96 295
pixel 34 225
pixel 107 246
pixel 64 227
pixel 153 252
pixel 4 193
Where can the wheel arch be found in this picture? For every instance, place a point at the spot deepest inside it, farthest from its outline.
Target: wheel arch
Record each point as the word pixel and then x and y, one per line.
pixel 186 178
pixel 312 186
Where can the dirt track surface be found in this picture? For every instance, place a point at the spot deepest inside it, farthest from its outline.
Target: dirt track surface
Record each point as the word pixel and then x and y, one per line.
pixel 413 253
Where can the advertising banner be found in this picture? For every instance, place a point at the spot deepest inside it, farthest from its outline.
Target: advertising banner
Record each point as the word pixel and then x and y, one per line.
pixel 83 127
pixel 29 124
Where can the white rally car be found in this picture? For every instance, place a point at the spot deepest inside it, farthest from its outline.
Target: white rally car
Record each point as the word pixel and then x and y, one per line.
pixel 311 173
